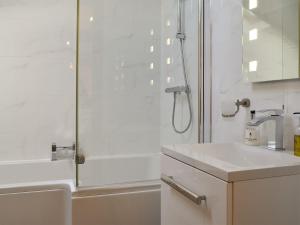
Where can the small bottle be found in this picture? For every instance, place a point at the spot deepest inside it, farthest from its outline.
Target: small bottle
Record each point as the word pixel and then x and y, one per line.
pixel 252 134
pixel 297 136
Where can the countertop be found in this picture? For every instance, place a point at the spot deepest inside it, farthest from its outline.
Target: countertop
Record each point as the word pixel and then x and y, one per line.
pixel 235 162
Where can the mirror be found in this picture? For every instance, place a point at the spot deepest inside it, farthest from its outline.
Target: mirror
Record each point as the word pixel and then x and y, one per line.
pixel 270 40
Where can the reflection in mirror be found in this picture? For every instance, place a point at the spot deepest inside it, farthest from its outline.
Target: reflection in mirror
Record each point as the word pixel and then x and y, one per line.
pixel 270 40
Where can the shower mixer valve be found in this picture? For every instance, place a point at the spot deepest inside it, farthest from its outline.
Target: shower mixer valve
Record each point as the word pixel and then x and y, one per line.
pixel 178 89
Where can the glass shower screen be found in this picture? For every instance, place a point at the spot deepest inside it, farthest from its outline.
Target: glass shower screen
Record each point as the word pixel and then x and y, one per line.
pixel 119 91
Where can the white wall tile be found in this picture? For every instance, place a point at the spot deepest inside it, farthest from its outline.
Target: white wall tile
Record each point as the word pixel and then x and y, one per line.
pixel 37 94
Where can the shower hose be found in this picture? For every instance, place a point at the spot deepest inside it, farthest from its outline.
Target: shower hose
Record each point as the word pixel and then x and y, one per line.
pixel 187 92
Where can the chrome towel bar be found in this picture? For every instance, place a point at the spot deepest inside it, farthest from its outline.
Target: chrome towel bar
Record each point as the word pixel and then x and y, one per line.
pixel 197 199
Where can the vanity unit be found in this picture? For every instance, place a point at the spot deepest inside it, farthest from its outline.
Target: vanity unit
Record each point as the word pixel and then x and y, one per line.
pixel 229 184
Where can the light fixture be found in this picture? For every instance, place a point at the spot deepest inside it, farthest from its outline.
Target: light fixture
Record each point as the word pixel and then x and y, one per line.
pixel 151 48
pixel 253 66
pixel 168 41
pixel 253 34
pixel 71 66
pixel 168 80
pixel 151 66
pixel 253 4
pixel 168 61
pixel 91 19
pixel 151 82
pixel 152 32
pixel 168 23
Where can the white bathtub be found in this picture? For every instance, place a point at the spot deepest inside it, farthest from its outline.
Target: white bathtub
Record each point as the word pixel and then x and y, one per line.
pixel 97 171
pixel 36 205
pixel 126 204
pixel 35 172
pixel 120 204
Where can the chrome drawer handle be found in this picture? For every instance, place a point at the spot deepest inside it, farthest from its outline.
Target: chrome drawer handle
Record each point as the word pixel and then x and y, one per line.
pixel 183 190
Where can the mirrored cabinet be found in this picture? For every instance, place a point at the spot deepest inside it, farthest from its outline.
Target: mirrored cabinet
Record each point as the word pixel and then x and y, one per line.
pixel 270 40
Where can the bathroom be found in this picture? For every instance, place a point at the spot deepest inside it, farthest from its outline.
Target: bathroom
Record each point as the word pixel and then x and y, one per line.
pixel 107 100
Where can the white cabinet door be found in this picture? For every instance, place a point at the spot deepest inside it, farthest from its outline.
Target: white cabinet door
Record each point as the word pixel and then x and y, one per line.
pixel 178 206
pixel 270 201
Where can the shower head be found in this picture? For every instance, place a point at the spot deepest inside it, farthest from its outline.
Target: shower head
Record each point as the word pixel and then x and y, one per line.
pixel 179 16
pixel 180 24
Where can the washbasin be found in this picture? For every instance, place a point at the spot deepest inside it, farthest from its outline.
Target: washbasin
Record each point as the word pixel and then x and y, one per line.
pixel 234 161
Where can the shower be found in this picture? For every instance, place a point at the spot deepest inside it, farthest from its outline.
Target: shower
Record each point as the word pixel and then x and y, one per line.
pixel 180 36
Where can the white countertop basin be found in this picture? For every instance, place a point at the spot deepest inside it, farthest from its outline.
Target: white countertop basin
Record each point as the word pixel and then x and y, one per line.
pixel 235 162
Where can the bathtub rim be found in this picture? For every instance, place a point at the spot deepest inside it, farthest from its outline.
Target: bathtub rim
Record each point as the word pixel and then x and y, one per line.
pixel 142 186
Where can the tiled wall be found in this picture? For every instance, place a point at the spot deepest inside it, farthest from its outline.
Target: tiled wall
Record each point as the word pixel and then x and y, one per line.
pixel 37 77
pixel 228 82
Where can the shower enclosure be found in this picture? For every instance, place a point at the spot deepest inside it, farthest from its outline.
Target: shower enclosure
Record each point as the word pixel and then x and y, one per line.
pixel 95 74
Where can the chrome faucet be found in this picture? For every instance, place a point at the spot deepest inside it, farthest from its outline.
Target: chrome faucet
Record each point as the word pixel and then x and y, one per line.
pixel 275 115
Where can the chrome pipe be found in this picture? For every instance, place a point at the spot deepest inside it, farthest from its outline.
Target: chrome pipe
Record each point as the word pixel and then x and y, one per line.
pixel 179 16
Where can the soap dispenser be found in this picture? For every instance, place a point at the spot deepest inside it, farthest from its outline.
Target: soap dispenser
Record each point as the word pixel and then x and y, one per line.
pixel 297 136
pixel 252 133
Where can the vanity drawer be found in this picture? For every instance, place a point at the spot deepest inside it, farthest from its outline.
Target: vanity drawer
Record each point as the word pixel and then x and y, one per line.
pixel 183 187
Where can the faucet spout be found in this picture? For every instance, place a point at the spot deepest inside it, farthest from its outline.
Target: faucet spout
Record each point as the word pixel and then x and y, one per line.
pixel 278 118
pixel 260 120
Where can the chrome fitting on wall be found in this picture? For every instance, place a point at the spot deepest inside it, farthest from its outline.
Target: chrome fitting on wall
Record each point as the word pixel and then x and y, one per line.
pixel 62 152
pixel 244 103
